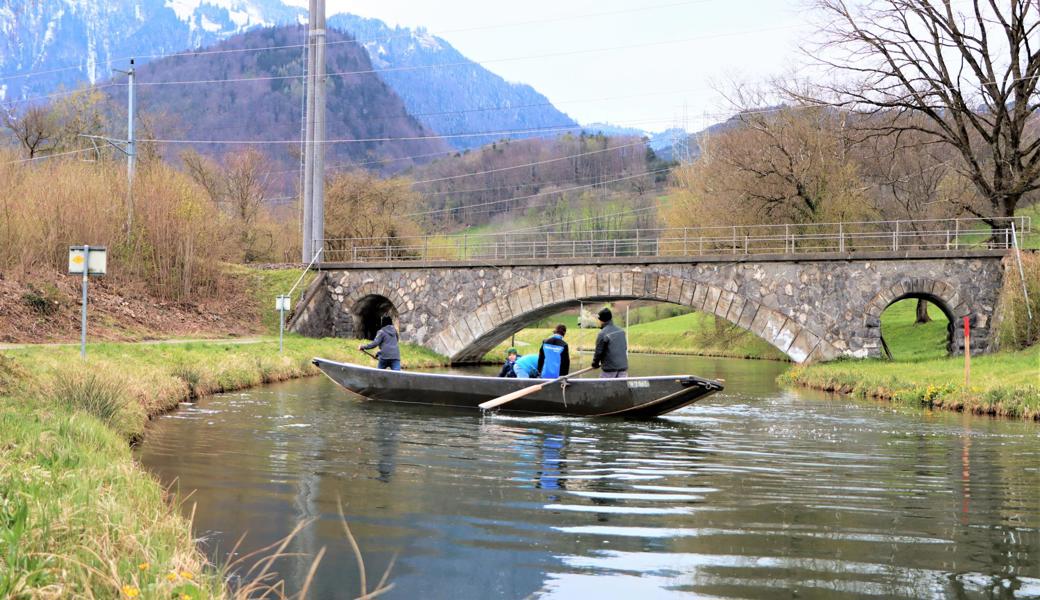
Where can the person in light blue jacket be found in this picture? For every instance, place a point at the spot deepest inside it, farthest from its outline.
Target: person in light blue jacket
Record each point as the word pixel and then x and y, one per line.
pixel 526 367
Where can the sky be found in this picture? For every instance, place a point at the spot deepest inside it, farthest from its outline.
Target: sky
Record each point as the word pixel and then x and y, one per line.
pixel 651 64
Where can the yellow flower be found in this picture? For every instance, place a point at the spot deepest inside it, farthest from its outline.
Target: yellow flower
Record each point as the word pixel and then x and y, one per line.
pixel 187 575
pixel 143 566
pixel 185 597
pixel 171 577
pixel 131 591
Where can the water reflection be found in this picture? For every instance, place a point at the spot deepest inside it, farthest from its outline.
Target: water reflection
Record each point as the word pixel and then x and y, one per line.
pixel 757 492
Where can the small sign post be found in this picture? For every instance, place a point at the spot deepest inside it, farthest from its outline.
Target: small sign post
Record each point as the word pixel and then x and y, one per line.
pixel 281 304
pixel 86 261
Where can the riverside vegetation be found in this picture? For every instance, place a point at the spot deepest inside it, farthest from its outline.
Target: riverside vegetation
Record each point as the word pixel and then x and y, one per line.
pixel 78 516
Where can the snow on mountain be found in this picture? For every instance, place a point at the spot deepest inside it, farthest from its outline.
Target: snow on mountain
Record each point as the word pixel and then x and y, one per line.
pixel 66 43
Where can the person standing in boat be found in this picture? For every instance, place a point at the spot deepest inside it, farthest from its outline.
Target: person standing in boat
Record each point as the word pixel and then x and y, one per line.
pixel 389 354
pixel 611 348
pixel 526 367
pixel 507 369
pixel 554 358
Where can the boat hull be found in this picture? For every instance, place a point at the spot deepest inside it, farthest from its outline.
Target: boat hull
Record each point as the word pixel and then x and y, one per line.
pixel 638 397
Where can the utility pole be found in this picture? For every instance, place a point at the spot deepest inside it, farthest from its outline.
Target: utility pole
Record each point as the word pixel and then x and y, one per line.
pixel 127 147
pixel 131 154
pixel 313 214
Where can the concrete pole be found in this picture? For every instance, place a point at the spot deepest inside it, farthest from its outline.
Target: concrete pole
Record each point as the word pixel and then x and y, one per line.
pixel 308 144
pixel 83 312
pixel 318 185
pixel 131 153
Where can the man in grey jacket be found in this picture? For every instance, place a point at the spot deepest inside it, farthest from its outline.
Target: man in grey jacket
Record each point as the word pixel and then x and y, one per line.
pixel 611 348
pixel 389 354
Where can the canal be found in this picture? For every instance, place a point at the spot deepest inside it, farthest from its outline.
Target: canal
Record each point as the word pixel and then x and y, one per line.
pixel 757 492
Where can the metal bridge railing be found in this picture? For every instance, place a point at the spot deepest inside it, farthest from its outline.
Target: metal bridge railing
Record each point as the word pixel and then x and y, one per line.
pixel 863 236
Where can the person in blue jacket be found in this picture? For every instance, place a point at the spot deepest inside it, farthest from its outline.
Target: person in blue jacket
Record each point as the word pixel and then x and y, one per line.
pixel 526 367
pixel 507 369
pixel 554 358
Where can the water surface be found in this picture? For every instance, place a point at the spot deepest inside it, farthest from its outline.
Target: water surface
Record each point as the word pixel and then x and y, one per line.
pixel 757 492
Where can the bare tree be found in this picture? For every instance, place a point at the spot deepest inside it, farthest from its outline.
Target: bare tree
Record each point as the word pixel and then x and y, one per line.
pixel 35 129
pixel 968 78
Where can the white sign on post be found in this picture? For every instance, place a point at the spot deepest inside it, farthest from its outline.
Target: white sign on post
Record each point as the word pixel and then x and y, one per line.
pixel 98 258
pixel 282 303
pixel 85 261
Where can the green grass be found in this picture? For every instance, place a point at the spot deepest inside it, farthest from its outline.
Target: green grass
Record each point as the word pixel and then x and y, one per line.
pixel 693 333
pixel 910 341
pixel 266 284
pixel 1005 384
pixel 1032 241
pixel 78 517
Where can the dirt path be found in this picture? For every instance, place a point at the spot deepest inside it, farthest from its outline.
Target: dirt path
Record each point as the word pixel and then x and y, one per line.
pixel 235 341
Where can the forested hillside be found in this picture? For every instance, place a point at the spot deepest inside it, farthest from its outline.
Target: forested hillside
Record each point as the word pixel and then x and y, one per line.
pixel 554 178
pixel 364 116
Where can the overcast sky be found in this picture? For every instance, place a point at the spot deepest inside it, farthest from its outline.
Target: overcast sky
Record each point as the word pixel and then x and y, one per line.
pixel 638 79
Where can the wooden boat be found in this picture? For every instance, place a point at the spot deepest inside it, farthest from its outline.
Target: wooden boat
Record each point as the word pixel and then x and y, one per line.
pixel 638 397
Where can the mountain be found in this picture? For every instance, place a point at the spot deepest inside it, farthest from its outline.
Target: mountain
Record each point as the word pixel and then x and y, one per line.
pixel 268 107
pixel 457 95
pixel 65 43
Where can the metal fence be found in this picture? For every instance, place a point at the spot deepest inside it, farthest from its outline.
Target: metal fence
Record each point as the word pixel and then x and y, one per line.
pixel 863 236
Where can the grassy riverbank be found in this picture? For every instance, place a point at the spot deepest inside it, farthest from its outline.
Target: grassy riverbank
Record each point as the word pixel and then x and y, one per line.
pixel 78 517
pixel 1005 384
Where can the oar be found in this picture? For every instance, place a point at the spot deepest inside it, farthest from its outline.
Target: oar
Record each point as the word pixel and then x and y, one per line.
pixel 528 390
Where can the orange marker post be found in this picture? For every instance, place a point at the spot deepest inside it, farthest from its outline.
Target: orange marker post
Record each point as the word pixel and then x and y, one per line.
pixel 967 354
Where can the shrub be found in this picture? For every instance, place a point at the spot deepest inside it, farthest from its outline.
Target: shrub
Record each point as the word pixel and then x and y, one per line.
pixel 103 398
pixel 1015 330
pixel 45 301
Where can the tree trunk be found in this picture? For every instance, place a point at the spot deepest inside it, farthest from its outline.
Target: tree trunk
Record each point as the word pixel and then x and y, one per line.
pixel 922 311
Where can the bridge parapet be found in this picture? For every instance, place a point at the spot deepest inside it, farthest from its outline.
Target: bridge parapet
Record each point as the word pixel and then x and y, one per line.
pixel 945 235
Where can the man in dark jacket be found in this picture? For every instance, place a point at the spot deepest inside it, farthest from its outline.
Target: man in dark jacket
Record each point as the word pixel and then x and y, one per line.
pixel 389 354
pixel 611 348
pixel 554 358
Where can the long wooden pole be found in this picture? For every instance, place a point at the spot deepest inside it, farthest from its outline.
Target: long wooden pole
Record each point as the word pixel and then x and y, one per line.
pixel 528 390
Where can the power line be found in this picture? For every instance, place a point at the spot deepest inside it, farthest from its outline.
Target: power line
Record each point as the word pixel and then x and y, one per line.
pixel 92 88
pixel 532 164
pixel 45 156
pixel 505 132
pixel 571 221
pixel 191 53
pixel 570 189
pixel 472 62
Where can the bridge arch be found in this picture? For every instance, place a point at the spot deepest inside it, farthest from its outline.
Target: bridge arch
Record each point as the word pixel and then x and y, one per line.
pixel 365 307
pixel 937 292
pixel 468 338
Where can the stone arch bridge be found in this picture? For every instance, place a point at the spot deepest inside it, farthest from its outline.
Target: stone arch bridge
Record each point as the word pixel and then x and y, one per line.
pixel 811 307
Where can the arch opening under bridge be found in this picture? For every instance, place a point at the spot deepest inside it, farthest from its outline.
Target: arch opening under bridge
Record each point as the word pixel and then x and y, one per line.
pixel 468 339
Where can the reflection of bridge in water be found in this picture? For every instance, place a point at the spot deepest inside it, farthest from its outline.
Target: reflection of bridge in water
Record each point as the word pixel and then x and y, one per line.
pixel 815 292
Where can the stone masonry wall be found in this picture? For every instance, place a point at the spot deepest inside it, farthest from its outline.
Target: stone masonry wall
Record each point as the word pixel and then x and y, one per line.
pixel 809 309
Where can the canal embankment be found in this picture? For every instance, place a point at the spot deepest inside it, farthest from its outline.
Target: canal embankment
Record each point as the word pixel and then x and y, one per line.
pixel 1005 384
pixel 80 517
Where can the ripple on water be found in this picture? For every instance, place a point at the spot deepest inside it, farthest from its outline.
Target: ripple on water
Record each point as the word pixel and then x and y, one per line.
pixel 755 493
